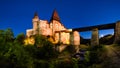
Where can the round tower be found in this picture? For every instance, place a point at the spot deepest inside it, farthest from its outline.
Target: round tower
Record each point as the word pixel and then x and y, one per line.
pixel 35 22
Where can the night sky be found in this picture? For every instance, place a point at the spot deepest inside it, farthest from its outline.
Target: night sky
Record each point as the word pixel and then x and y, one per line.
pixel 18 14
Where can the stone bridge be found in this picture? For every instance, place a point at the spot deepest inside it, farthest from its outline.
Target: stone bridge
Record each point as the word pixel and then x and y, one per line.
pixel 95 31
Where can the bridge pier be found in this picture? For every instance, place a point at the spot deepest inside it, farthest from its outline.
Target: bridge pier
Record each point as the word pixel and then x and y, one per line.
pixel 117 33
pixel 76 40
pixel 95 37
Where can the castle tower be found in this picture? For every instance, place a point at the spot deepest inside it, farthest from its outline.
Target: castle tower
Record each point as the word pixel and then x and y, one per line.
pixel 55 16
pixel 55 23
pixel 35 22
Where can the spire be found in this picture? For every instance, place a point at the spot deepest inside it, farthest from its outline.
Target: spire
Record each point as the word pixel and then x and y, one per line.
pixel 36 15
pixel 55 16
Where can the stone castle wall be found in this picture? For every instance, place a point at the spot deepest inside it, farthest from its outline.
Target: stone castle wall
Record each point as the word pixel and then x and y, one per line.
pixel 54 29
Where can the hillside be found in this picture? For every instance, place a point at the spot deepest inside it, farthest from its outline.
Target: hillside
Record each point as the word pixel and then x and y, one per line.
pixel 107 39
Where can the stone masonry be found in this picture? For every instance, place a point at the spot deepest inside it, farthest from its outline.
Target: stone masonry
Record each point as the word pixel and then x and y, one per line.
pixel 117 33
pixel 95 37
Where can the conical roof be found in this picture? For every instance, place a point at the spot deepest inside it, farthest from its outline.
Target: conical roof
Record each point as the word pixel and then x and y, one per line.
pixel 35 15
pixel 55 16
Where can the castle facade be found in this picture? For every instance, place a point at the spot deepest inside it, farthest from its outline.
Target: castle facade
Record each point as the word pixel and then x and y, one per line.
pixel 54 29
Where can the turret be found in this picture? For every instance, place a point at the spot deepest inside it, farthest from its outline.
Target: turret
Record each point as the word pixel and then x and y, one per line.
pixel 55 23
pixel 55 16
pixel 35 21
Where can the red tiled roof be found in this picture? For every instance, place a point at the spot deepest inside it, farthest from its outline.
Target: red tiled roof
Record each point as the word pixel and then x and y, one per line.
pixel 55 16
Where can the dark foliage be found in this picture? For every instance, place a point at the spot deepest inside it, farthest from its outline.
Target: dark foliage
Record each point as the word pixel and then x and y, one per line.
pixel 107 39
pixel 14 54
pixel 84 41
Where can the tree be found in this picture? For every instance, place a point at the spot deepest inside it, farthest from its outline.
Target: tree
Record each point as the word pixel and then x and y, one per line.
pixel 45 48
pixel 20 38
pixel 2 39
pixel 8 35
pixel 13 55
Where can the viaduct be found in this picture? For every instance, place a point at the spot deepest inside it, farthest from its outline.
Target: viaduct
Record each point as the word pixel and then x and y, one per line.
pixel 95 33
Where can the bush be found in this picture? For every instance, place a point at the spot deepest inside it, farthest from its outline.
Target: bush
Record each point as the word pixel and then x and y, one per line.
pixel 45 49
pixel 95 55
pixel 15 56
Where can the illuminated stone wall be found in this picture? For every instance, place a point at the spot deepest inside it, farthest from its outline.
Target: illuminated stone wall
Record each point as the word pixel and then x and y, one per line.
pixel 56 26
pixel 35 22
pixel 56 37
pixel 29 32
pixel 65 38
pixel 76 40
pixel 54 29
pixel 44 28
pixel 59 36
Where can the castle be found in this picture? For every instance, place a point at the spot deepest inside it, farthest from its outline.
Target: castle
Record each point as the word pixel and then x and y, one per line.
pixel 54 29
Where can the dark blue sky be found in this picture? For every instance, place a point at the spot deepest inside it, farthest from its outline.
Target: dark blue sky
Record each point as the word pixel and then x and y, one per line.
pixel 18 14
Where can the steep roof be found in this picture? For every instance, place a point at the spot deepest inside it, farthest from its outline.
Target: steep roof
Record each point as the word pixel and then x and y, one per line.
pixel 55 16
pixel 35 15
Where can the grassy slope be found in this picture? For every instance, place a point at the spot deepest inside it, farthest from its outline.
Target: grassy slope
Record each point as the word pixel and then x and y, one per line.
pixel 112 58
